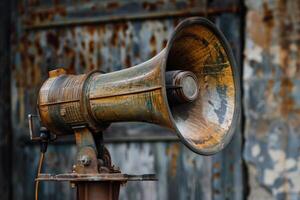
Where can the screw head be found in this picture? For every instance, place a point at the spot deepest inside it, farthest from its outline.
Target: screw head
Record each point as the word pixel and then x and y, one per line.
pixel 84 160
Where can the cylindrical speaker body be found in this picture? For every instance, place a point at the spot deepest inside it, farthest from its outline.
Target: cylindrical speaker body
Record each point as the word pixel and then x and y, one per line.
pixel 133 94
pixel 96 99
pixel 59 102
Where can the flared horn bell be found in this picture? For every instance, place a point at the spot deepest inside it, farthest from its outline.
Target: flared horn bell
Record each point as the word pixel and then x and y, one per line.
pixel 207 124
pixel 190 87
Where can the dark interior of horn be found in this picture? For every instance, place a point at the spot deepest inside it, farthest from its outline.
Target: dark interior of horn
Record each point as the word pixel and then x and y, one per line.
pixel 206 124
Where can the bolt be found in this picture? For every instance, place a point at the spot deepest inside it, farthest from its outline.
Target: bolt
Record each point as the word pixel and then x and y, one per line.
pixel 84 160
pixel 73 168
pixel 63 112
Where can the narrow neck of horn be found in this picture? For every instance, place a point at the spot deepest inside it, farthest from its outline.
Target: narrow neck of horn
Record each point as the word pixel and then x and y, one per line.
pixel 133 94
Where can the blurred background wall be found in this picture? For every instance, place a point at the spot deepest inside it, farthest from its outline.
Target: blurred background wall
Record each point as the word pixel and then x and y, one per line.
pixel 261 162
pixel 271 99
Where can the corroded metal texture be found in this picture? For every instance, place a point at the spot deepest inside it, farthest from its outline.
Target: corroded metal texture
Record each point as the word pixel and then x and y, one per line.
pixel 64 13
pixel 93 175
pixel 99 190
pixel 271 86
pixel 110 47
pixel 96 177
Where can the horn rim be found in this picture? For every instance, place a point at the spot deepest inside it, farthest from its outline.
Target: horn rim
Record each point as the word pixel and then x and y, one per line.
pixel 236 79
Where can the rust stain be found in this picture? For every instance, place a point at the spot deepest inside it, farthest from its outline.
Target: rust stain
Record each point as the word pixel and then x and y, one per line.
pixel 62 11
pixel 128 61
pixel 217 165
pixel 52 40
pixel 91 29
pixel 113 5
pixel 287 105
pixel 125 28
pixel 91 65
pixel 192 3
pixel 82 60
pixel 286 31
pixel 153 45
pixel 91 46
pixel 123 44
pixel 45 15
pixel 260 30
pixel 83 45
pixel 164 44
pixel 173 152
pixel 284 28
pixel 176 22
pixel 71 67
pixel 298 66
pixel 268 16
pixel 38 47
pixel 32 3
pixel 149 6
pixel 114 38
pixel 216 175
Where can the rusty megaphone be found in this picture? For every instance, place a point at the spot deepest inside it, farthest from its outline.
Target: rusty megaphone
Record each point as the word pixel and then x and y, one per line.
pixel 191 87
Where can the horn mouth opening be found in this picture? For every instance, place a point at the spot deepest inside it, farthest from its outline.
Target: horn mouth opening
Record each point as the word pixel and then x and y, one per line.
pixel 205 125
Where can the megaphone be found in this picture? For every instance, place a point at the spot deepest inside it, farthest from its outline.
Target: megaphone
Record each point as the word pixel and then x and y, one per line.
pixel 191 87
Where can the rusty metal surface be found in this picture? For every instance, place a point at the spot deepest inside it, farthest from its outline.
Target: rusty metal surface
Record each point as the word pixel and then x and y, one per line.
pixel 64 13
pixel 271 86
pixel 74 177
pixel 110 47
pixel 87 155
pixel 98 190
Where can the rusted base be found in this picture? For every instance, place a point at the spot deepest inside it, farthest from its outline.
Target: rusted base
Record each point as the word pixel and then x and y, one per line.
pixel 98 190
pixel 101 177
pixel 102 186
pixel 93 174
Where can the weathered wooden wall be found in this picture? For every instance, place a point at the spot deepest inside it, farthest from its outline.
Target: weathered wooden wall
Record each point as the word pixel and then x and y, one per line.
pixel 5 102
pixel 272 98
pixel 111 35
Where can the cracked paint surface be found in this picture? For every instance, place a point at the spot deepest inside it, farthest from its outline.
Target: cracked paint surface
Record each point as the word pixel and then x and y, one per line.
pixel 271 103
